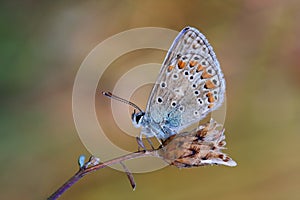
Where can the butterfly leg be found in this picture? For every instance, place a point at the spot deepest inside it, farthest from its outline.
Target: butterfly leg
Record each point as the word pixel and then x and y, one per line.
pixel 159 141
pixel 140 143
pixel 150 142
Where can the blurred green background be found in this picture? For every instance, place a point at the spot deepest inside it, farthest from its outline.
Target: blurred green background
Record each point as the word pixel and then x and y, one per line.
pixel 43 44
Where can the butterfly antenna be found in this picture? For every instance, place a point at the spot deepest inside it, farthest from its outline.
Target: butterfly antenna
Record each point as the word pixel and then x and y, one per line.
pixel 112 96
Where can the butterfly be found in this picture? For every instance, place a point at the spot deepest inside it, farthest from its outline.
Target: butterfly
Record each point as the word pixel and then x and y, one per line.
pixel 190 85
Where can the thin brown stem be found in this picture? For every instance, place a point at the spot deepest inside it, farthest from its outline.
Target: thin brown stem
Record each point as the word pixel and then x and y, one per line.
pixel 129 176
pixel 84 171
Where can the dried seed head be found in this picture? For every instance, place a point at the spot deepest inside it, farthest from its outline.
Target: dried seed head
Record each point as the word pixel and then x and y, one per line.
pixel 199 147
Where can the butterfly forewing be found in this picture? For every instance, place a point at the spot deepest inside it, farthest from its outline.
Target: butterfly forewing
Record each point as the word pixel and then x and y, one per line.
pixel 190 84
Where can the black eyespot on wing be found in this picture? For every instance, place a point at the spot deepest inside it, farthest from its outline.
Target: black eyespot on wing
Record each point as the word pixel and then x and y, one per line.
pixel 159 100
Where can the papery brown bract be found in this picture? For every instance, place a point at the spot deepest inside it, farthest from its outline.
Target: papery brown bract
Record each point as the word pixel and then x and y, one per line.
pixel 202 146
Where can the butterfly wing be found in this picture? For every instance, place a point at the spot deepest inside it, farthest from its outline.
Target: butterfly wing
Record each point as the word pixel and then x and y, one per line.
pixel 190 84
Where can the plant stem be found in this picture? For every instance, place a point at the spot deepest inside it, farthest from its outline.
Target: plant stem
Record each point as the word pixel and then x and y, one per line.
pixel 84 171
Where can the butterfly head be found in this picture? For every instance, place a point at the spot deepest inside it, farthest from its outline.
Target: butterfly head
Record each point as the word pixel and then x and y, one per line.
pixel 137 118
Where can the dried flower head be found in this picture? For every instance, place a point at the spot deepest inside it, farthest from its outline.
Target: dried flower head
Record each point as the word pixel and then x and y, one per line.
pixel 202 146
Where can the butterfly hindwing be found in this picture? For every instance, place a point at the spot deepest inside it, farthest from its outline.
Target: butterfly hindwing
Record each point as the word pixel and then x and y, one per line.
pixel 190 84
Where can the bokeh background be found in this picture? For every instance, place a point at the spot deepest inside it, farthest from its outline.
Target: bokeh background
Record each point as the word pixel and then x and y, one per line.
pixel 42 47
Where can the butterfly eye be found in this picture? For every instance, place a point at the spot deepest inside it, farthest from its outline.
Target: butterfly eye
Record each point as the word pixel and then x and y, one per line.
pixel 137 117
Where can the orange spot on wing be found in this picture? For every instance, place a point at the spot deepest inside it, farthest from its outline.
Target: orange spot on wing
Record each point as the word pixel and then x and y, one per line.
pixel 199 68
pixel 209 84
pixel 170 68
pixel 211 98
pixel 193 63
pixel 181 64
pixel 210 105
pixel 205 74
